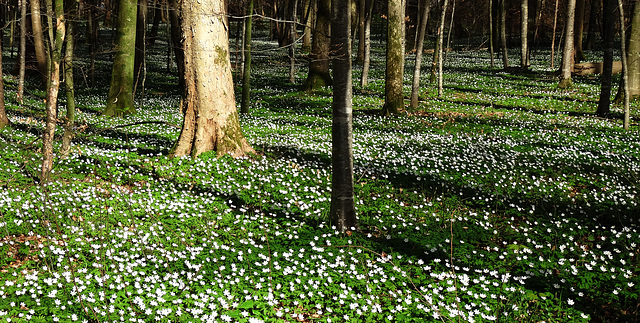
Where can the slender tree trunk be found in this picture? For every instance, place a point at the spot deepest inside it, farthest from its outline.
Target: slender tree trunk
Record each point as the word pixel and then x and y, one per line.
pixel 319 75
pixel 394 98
pixel 633 55
pixel 604 103
pixel 292 35
pixel 246 71
pixel 366 62
pixel 309 9
pixel 52 91
pixel 38 39
pixel 567 52
pixel 625 70
pixel 579 31
pixel 446 48
pixel 208 79
pixel 23 49
pixel 4 120
pixel 362 6
pixel 157 17
pixel 440 39
pixel 524 32
pixel 594 12
pixel 491 35
pixel 343 214
pixel 553 38
pixel 68 82
pixel 422 30
pixel 503 33
pixel 140 61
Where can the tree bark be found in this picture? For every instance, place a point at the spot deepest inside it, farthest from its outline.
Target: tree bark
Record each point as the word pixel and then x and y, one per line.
pixel 567 52
pixel 319 75
pixel 366 62
pixel 23 50
pixel 604 103
pixel 176 40
pixel 633 55
pixel 309 9
pixel 292 36
pixel 140 62
pixel 4 120
pixel 503 33
pixel 211 121
pixel 342 214
pixel 594 12
pixel 362 12
pixel 579 31
pixel 422 29
pixel 394 99
pixel 38 39
pixel 52 91
pixel 246 71
pixel 553 37
pixel 491 35
pixel 120 98
pixel 440 40
pixel 68 82
pixel 625 70
pixel 524 32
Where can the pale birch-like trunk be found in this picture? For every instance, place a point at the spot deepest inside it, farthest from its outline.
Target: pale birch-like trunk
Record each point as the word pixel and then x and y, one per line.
pixel 567 52
pixel 625 69
pixel 366 62
pixel 524 31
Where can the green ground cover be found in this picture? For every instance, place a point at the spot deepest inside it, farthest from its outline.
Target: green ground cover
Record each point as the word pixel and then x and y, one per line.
pixel 505 200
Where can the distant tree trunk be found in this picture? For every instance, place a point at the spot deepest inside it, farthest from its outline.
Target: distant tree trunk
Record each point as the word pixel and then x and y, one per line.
pixel 446 48
pixel 362 6
pixel 567 52
pixel 38 39
pixel 246 71
pixel 92 36
pixel 157 17
pixel 4 120
pixel 503 33
pixel 524 32
pixel 366 62
pixel 140 63
pixel 176 40
pixel 208 79
pixel 52 91
pixel 553 37
pixel 342 214
pixel 292 35
pixel 625 70
pixel 23 50
pixel 309 9
pixel 633 55
pixel 394 99
pixel 440 39
pixel 604 103
pixel 422 30
pixel 68 81
pixel 594 11
pixel 491 35
pixel 319 75
pixel 579 31
pixel 120 98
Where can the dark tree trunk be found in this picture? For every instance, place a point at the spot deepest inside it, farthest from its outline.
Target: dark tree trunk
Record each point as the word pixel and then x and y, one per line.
pixel 491 34
pixel 292 36
pixel 140 63
pixel 23 50
pixel 4 120
pixel 319 75
pixel 68 81
pixel 157 17
pixel 579 31
pixel 394 98
pixel 608 22
pixel 342 214
pixel 594 12
pixel 176 39
pixel 246 70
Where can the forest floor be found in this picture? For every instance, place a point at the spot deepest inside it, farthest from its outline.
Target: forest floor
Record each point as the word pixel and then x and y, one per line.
pixel 505 200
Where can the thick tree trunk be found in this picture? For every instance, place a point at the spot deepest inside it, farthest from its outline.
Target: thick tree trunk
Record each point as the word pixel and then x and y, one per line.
pixel 633 55
pixel 440 39
pixel 343 214
pixel 579 31
pixel 246 70
pixel 23 50
pixel 319 75
pixel 38 39
pixel 120 98
pixel 604 103
pixel 366 62
pixel 524 32
pixel 567 52
pixel 68 82
pixel 422 29
pixel 211 121
pixel 52 91
pixel 4 120
pixel 394 98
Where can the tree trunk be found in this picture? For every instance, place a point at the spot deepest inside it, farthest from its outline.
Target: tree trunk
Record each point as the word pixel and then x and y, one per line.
pixel 503 33
pixel 246 71
pixel 157 17
pixel 362 6
pixel 319 75
pixel 68 82
pixel 491 35
pixel 92 35
pixel 342 214
pixel 633 55
pixel 394 99
pixel 440 40
pixel 140 63
pixel 292 36
pixel 524 31
pixel 120 98
pixel 366 62
pixel 211 121
pixel 52 91
pixel 176 40
pixel 23 50
pixel 594 12
pixel 579 31
pixel 604 103
pixel 309 9
pixel 4 120
pixel 553 36
pixel 453 10
pixel 625 70
pixel 567 52
pixel 422 29
pixel 38 39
